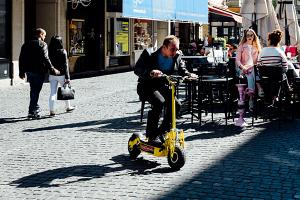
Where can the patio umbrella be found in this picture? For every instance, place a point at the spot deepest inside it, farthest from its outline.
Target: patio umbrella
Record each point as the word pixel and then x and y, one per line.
pixel 287 18
pixel 260 16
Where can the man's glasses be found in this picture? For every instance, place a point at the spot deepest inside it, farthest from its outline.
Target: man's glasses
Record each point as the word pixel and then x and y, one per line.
pixel 249 35
pixel 173 49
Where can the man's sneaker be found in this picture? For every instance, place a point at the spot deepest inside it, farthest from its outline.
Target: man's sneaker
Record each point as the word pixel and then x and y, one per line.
pixel 33 116
pixel 154 141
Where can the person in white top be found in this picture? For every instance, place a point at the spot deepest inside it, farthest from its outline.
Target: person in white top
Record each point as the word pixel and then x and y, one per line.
pixel 274 56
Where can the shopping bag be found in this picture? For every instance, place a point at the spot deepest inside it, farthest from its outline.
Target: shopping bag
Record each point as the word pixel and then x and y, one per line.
pixel 66 92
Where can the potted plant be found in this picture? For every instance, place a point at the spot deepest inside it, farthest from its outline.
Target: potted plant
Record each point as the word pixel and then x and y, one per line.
pixel 221 42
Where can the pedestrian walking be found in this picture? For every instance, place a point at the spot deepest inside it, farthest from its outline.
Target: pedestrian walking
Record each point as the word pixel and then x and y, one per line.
pixel 34 63
pixel 59 59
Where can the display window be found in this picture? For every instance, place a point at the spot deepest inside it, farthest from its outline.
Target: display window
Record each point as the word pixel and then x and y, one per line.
pixel 76 37
pixel 122 36
pixel 3 29
pixel 143 33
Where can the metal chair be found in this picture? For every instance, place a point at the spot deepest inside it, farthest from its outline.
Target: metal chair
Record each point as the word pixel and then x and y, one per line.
pixel 214 88
pixel 275 84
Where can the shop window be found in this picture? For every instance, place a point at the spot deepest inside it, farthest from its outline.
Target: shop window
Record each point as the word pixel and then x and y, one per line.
pixel 122 36
pixel 142 34
pixel 3 29
pixel 76 37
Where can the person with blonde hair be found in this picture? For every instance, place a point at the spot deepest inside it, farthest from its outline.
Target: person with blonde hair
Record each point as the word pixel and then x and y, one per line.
pixel 247 54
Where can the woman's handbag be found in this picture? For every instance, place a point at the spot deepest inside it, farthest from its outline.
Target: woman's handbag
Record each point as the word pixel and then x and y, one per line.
pixel 66 92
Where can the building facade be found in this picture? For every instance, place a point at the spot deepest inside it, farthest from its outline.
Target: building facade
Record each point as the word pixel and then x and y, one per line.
pixel 96 34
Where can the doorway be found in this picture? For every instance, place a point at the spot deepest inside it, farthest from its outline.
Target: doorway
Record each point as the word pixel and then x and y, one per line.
pixel 30 19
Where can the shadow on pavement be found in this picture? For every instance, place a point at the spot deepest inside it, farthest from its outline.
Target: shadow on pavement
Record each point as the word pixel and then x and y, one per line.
pixel 126 123
pixel 19 119
pixel 267 166
pixel 212 130
pixel 68 175
pixel 12 120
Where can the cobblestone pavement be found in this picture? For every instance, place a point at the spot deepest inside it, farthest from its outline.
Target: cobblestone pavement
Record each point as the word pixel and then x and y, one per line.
pixel 83 154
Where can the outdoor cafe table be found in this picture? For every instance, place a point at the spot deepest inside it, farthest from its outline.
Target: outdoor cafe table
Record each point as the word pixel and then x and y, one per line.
pixel 195 94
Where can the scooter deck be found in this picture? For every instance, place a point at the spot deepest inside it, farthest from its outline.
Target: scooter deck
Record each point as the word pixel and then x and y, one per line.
pixel 157 149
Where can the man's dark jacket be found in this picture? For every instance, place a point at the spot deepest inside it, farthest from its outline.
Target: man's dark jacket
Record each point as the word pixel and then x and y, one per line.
pixel 148 62
pixel 34 57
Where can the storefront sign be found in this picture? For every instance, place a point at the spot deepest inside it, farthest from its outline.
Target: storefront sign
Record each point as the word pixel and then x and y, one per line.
pixel 192 10
pixel 75 3
pixel 187 10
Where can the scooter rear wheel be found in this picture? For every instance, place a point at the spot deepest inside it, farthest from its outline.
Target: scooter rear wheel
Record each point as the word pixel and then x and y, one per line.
pixel 178 159
pixel 133 151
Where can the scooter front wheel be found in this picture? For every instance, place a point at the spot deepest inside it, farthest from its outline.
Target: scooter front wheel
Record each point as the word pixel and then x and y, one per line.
pixel 178 159
pixel 133 147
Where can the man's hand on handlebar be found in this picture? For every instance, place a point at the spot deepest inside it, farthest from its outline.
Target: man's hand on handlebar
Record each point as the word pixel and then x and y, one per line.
pixel 156 73
pixel 193 76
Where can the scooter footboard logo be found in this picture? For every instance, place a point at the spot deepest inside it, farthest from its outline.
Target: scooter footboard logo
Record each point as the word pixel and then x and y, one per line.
pixel 147 148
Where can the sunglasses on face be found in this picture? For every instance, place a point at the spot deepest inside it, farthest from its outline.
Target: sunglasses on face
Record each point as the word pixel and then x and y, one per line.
pixel 249 35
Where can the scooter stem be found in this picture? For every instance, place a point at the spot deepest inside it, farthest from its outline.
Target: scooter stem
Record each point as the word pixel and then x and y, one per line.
pixel 173 106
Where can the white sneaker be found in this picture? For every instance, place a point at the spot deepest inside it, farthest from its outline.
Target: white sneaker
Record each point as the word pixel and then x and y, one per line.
pixel 70 109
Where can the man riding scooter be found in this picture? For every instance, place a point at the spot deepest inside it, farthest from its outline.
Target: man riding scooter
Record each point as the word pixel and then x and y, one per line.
pixel 149 67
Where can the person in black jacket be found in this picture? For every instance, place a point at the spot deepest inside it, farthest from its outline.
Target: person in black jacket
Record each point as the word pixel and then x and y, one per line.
pixel 149 67
pixel 35 63
pixel 59 59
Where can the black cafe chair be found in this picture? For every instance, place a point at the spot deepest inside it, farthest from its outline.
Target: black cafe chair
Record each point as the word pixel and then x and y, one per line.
pixel 214 88
pixel 275 83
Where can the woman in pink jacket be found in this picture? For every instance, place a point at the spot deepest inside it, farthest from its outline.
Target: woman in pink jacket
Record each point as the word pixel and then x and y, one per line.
pixel 247 54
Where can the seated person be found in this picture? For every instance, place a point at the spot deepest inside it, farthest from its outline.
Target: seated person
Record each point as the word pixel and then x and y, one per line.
pixel 166 60
pixel 232 51
pixel 274 56
pixel 201 51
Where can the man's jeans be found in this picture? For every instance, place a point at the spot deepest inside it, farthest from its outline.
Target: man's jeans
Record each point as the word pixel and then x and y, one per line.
pixel 36 83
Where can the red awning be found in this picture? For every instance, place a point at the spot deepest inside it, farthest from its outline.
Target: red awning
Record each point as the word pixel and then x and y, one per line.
pixel 226 13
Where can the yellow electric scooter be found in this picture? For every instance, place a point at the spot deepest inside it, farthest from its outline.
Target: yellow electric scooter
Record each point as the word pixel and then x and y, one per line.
pixel 173 145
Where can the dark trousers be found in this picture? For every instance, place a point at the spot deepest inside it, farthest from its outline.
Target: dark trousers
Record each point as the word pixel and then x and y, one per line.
pixel 36 83
pixel 159 99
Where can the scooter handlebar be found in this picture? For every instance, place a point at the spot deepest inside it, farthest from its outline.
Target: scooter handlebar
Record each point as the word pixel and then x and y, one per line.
pixel 177 78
